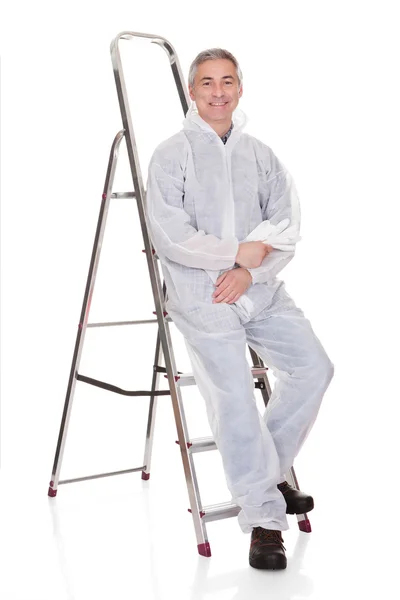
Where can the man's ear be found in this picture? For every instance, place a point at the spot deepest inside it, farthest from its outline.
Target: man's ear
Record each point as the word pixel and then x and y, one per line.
pixel 240 91
pixel 191 94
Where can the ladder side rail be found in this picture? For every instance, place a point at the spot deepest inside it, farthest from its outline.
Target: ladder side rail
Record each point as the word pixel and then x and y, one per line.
pixel 166 343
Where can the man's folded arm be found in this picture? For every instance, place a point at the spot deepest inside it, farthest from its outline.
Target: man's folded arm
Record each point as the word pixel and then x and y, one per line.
pixel 169 224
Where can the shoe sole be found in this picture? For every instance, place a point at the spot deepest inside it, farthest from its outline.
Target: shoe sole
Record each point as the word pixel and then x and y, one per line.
pixel 272 564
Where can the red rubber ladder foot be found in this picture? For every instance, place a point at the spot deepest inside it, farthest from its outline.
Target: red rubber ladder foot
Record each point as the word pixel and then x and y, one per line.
pixel 52 493
pixel 305 526
pixel 204 549
pixel 145 476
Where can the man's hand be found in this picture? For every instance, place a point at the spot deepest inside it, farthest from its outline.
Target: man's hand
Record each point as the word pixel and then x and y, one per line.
pixel 231 285
pixel 251 254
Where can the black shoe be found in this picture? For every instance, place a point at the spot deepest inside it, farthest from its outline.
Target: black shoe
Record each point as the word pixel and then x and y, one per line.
pixel 297 503
pixel 267 550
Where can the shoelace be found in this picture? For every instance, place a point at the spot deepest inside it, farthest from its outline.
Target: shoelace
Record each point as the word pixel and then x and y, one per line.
pixel 267 537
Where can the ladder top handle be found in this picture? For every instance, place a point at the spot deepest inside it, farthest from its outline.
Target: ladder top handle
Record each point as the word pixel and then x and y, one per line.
pixel 155 39
pixel 171 53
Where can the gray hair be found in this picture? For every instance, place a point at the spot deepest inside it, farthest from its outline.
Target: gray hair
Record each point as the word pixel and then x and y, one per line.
pixel 213 54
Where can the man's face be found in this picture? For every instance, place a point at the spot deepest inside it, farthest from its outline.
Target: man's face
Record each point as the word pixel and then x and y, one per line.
pixel 216 90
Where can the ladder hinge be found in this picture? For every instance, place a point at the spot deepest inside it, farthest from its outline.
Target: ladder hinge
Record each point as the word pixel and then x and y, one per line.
pixel 188 444
pixel 201 513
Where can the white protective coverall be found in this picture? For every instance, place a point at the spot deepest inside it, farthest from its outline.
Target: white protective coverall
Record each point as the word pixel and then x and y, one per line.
pixel 203 199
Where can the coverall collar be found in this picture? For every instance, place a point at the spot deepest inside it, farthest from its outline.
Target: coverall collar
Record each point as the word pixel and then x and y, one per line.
pixel 194 122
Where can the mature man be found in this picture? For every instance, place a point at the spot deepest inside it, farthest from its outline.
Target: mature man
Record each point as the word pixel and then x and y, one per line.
pixel 224 218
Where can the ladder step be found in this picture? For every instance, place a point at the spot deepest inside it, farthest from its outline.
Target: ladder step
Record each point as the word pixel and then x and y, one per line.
pixel 215 512
pixel 202 445
pixel 188 378
pixel 123 195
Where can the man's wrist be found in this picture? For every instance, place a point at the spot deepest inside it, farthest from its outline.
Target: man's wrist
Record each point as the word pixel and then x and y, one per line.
pixel 249 272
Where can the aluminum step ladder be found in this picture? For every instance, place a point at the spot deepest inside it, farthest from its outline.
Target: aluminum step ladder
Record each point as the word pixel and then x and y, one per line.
pixel 164 351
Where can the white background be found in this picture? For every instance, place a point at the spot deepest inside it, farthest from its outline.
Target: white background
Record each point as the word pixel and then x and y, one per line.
pixel 321 87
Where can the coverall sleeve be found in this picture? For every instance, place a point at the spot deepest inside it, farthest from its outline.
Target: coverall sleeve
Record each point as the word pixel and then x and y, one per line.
pixel 169 224
pixel 280 201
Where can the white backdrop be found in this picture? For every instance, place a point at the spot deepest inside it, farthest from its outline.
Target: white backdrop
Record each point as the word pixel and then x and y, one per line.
pixel 321 87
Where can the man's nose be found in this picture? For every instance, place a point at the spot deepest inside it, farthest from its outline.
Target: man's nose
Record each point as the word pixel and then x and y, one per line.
pixel 218 90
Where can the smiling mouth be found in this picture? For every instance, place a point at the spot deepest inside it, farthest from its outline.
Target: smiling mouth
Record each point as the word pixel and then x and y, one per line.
pixel 218 103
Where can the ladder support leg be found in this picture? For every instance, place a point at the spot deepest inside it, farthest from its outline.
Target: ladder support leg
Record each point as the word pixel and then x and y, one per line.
pixel 152 413
pixel 52 491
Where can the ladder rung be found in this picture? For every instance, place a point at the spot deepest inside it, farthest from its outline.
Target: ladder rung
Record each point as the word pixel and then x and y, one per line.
pixel 215 512
pixel 109 324
pixel 188 378
pixel 123 195
pixel 202 445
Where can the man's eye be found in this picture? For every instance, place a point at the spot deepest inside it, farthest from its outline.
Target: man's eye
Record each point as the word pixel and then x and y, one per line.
pixel 206 83
pixel 228 82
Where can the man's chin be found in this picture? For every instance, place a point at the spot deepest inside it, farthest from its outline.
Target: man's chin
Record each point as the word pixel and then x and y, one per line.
pixel 217 118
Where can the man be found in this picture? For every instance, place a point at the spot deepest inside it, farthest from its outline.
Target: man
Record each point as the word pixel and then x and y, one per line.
pixel 210 188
